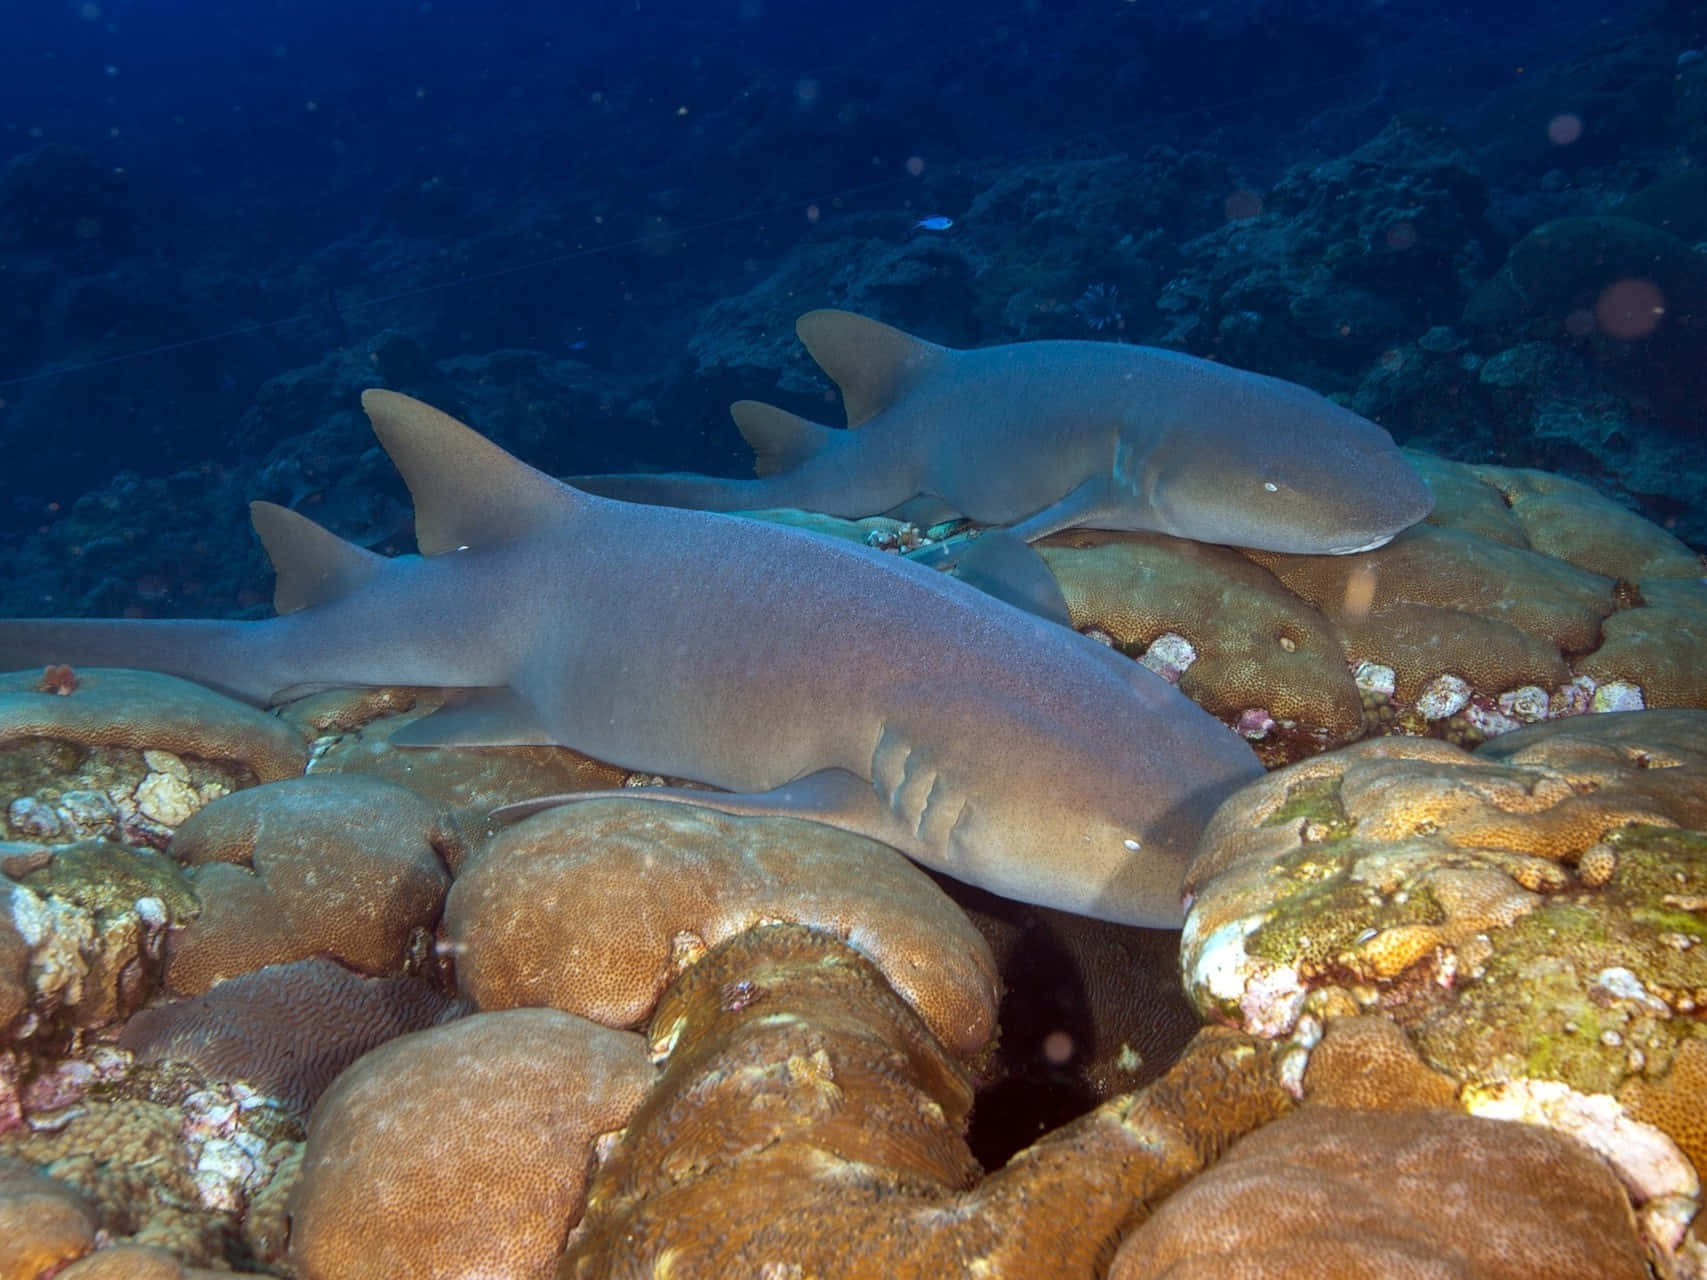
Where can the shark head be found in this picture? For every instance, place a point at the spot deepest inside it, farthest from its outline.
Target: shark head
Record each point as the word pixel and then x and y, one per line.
pixel 1279 468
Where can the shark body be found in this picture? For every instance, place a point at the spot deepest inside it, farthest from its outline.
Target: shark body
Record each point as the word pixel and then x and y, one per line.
pixel 805 675
pixel 1043 436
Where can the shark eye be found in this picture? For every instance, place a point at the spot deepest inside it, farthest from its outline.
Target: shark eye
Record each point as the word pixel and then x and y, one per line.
pixel 1131 844
pixel 1270 486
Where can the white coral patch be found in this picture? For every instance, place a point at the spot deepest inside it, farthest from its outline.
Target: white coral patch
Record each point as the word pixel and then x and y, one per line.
pixel 1622 984
pixel 1445 695
pixel 1618 695
pixel 1528 703
pixel 166 798
pixel 1269 997
pixel 1170 656
pixel 1372 677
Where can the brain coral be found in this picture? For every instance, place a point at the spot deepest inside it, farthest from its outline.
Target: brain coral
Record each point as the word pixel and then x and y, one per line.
pixel 342 866
pixel 286 1029
pixel 594 906
pixel 1533 912
pixel 462 1150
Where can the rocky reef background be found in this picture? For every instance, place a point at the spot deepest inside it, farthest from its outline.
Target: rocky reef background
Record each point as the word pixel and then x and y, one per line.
pixel 1481 232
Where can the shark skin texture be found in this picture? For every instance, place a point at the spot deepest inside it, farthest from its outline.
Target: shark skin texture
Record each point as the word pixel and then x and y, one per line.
pixel 1045 436
pixel 803 674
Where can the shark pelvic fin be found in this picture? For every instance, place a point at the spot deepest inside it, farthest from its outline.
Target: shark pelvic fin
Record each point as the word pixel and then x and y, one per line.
pixel 871 362
pixel 468 492
pixel 780 440
pixel 312 564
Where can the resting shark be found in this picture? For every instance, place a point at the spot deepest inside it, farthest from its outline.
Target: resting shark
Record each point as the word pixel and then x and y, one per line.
pixel 1044 436
pixel 803 674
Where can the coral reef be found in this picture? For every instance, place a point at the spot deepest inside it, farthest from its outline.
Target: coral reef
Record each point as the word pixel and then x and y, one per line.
pixel 1329 1191
pixel 821 1098
pixel 463 1149
pixel 1531 915
pixel 348 867
pixel 286 1030
pixel 595 906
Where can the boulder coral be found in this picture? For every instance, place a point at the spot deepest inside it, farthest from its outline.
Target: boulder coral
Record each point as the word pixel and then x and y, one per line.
pixel 44 1224
pixel 127 755
pixel 594 907
pixel 1331 1191
pixel 111 707
pixel 462 1150
pixel 806 1120
pixel 341 866
pixel 1532 915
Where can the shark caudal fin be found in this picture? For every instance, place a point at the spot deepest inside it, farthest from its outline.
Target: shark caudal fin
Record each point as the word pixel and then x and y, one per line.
pixel 873 363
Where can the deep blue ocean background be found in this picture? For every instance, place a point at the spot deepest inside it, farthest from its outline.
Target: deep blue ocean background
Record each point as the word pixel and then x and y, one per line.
pixel 587 228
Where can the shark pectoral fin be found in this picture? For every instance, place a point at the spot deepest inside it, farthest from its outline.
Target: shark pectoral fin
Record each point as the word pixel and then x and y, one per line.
pixel 312 564
pixel 481 718
pixel 871 362
pixel 780 440
pixel 833 797
pixel 1003 567
pixel 1079 509
pixel 468 492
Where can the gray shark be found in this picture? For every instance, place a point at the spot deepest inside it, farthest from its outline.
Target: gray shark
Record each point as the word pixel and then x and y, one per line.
pixel 1044 436
pixel 803 674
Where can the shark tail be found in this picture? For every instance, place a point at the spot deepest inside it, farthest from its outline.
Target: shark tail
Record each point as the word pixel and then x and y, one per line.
pixel 222 655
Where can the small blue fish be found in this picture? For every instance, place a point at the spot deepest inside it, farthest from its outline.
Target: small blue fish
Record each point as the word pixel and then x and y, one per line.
pixel 936 222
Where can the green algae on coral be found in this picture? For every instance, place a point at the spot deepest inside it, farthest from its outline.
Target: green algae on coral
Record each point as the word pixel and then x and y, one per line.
pixel 108 879
pixel 1317 802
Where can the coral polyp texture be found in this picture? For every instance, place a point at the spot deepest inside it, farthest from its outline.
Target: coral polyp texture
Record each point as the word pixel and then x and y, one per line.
pixel 342 866
pixel 1534 915
pixel 806 1119
pixel 1329 1191
pixel 462 1150
pixel 594 907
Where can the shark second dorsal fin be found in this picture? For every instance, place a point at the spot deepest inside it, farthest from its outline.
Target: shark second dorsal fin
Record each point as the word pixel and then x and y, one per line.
pixel 312 564
pixel 871 362
pixel 780 440
pixel 468 492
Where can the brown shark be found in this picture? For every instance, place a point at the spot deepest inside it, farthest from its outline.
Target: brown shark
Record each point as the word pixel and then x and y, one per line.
pixel 806 675
pixel 1043 436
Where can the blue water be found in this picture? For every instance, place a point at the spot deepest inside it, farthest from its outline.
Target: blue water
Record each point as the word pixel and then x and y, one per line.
pixel 587 229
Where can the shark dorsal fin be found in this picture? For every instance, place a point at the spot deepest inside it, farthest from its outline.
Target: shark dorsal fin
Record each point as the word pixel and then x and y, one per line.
pixel 780 440
pixel 312 563
pixel 871 362
pixel 468 492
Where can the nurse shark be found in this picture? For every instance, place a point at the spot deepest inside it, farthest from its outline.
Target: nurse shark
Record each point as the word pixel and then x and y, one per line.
pixel 1044 436
pixel 802 674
